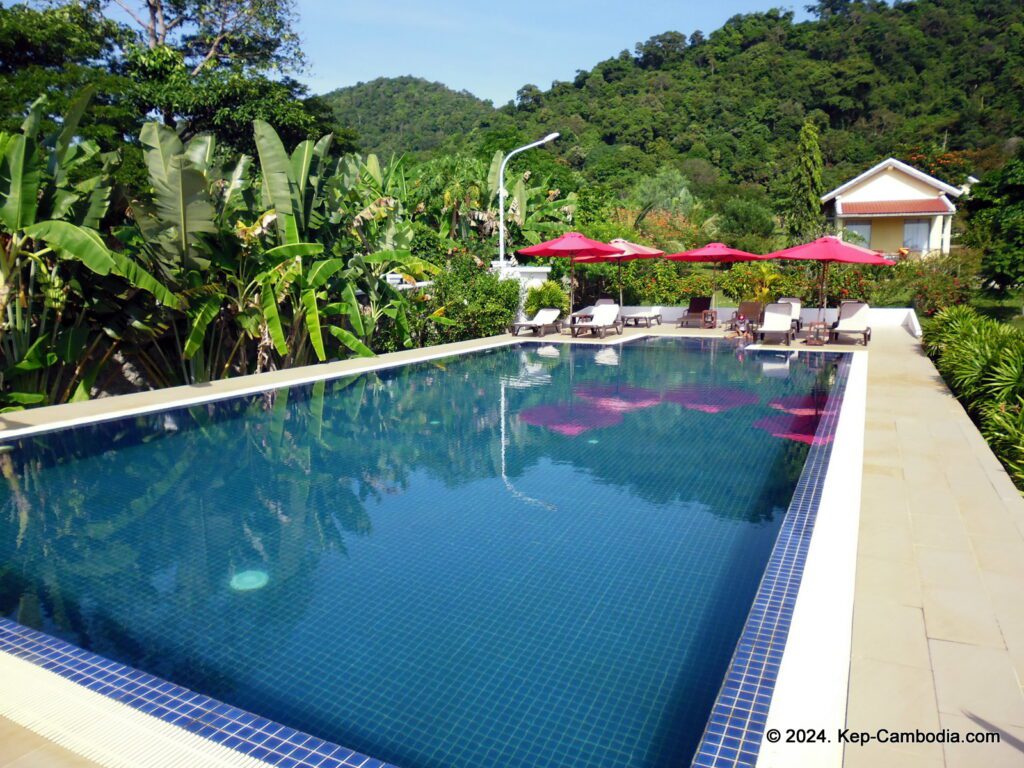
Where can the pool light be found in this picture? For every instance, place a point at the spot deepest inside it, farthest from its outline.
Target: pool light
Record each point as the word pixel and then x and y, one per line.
pixel 247 581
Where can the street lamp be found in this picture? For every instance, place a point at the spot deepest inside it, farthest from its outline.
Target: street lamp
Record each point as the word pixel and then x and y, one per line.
pixel 502 194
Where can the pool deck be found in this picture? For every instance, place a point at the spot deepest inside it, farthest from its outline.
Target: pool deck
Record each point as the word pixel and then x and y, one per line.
pixel 22 748
pixel 938 633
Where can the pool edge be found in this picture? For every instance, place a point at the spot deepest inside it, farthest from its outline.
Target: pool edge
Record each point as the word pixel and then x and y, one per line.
pixel 746 705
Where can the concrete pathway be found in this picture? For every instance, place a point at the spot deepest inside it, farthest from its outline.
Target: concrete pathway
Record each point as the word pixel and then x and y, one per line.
pixel 938 634
pixel 21 748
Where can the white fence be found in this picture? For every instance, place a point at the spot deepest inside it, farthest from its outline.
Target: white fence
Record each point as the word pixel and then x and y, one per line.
pixel 880 317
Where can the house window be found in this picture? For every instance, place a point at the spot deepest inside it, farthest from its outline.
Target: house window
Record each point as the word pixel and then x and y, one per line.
pixel 857 232
pixel 915 235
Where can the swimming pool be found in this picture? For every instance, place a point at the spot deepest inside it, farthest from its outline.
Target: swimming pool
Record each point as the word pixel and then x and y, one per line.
pixel 534 555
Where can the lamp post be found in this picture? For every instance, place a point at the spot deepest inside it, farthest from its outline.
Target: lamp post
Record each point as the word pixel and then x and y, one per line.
pixel 502 194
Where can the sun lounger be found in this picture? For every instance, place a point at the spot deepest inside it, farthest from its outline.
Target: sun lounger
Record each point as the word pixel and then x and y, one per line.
pixel 751 310
pixel 853 318
pixel 652 315
pixel 795 306
pixel 695 311
pixel 605 316
pixel 541 322
pixel 778 320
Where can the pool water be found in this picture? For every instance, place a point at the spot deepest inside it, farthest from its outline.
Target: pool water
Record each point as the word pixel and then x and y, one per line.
pixel 537 555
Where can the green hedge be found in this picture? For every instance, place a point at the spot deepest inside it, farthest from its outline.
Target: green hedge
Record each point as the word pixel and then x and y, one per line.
pixel 928 285
pixel 982 361
pixel 547 294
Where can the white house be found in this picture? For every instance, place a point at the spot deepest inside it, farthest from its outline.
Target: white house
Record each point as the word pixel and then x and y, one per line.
pixel 894 206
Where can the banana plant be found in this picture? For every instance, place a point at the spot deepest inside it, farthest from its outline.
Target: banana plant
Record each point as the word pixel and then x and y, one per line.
pixel 292 185
pixel 539 211
pixel 369 274
pixel 67 300
pixel 364 200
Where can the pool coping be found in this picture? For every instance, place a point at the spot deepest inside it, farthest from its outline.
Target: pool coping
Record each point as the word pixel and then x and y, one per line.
pixel 158 702
pixel 782 644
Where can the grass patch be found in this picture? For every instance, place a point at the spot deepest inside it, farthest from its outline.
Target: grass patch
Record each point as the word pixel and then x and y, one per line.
pixel 1005 308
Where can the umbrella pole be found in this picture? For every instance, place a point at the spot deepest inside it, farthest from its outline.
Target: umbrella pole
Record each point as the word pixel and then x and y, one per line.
pixel 620 282
pixel 572 283
pixel 821 291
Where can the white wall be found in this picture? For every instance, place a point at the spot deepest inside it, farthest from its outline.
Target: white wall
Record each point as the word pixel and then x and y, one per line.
pixel 880 317
pixel 889 184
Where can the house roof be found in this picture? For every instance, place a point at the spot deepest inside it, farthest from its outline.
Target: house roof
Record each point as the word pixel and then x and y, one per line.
pixel 892 162
pixel 894 207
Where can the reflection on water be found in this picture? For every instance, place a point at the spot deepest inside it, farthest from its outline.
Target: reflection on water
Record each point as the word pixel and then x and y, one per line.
pixel 383 560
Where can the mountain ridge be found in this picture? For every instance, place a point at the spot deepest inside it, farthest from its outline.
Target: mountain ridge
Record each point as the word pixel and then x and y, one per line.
pixel 407 114
pixel 936 82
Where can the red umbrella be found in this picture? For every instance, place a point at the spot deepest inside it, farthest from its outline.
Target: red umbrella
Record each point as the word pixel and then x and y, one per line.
pixel 630 252
pixel 566 420
pixel 711 399
pixel 715 252
pixel 799 428
pixel 719 252
pixel 571 245
pixel 800 405
pixel 830 249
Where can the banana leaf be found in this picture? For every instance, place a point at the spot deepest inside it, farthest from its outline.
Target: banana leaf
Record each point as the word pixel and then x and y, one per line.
pixel 36 357
pixel 140 278
pixel 312 313
pixel 322 271
pixel 61 140
pixel 293 250
pixel 200 318
pixel 90 209
pixel 160 145
pixel 20 175
pixel 183 204
pixel 350 341
pixel 200 151
pixel 76 242
pixel 276 168
pixel 268 301
pixel 354 311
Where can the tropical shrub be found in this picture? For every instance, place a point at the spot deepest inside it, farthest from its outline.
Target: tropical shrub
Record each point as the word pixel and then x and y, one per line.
pixel 548 294
pixel 472 301
pixel 765 281
pixel 68 303
pixel 1003 426
pixel 659 281
pixel 982 360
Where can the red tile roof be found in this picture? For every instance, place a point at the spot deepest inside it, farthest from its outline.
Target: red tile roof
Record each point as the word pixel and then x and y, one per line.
pixel 882 207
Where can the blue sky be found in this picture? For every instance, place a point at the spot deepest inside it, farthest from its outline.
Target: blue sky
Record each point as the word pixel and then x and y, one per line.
pixel 491 48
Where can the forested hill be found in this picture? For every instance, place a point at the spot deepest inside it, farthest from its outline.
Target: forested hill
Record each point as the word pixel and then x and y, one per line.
pixel 407 114
pixel 939 82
